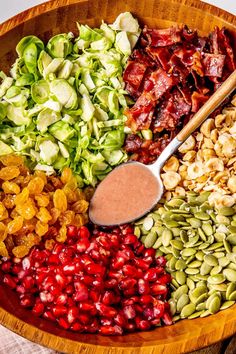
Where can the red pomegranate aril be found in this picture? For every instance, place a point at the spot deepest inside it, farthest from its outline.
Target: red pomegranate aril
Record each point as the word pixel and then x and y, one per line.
pixel 129 312
pixel 61 280
pixel 113 274
pixel 87 307
pixel 53 259
pixel 10 281
pixel 141 263
pixel 106 321
pixel 150 274
pixel 130 270
pixel 110 283
pixel 158 289
pixel 81 293
pixel 69 269
pixel 20 289
pixel 64 323
pixel 130 240
pixel 109 298
pixel 87 279
pixel 146 299
pixel 109 330
pixel 167 319
pixel 94 295
pixel 26 264
pixel 38 309
pixel 84 232
pixel 140 250
pixel 6 267
pixel 164 279
pixel 59 311
pixel 84 318
pixel 120 320
pixel 77 327
pixel 94 269
pixel 130 327
pixel 129 292
pixel 127 229
pixel 61 299
pixel 46 297
pixel 93 327
pixel 104 241
pixel 49 316
pixel 48 282
pixel 106 311
pixel 82 245
pixel 73 314
pixel 143 287
pixel 161 261
pixel 69 289
pixel 118 262
pixel 72 231
pixel 28 282
pixel 149 252
pixel 16 269
pixel 159 309
pixel 27 301
pixel 144 325
pixel 127 283
pixel 148 313
pixel 57 248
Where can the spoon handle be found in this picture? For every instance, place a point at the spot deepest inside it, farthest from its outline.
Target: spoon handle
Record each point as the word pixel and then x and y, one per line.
pixel 213 102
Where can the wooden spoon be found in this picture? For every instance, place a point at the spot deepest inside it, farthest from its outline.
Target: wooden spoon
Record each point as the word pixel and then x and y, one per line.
pixel 133 189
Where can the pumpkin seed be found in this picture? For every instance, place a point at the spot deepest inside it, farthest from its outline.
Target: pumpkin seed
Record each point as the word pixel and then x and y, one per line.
pixel 180 277
pixel 230 274
pixel 182 301
pixel 187 252
pixel 216 279
pixel 202 234
pixel 218 287
pixel 219 236
pixel 176 231
pixel 158 243
pixel 187 310
pixel 195 315
pixel 205 314
pixel 202 216
pixel 227 246
pixel 230 289
pixel 231 257
pixel 191 271
pixel 148 223
pixel 226 305
pixel 175 202
pixel 203 197
pixel 219 255
pixel 158 253
pixel 215 246
pixel 175 283
pixel 190 259
pixel 150 239
pixel 224 261
pixel 199 290
pixel 200 256
pixel 211 260
pixel 232 296
pixel 195 223
pixel 177 244
pixel 183 236
pixel 171 224
pixel 214 305
pixel 207 228
pixel 203 246
pixel 181 290
pixel 172 263
pixel 211 298
pixel 232 239
pixel 232 229
pixel 201 306
pixel 221 219
pixel 172 304
pixel 216 270
pixel 226 211
pixel 166 237
pixel 195 264
pixel 205 268
pixel 176 318
pixel 232 266
pixel 180 264
pixel 190 283
pixel 137 231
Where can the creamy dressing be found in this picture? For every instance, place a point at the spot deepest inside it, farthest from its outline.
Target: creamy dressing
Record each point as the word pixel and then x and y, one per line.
pixel 127 193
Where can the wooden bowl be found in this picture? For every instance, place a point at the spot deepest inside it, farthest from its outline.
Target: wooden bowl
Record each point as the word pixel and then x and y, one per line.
pixel 59 16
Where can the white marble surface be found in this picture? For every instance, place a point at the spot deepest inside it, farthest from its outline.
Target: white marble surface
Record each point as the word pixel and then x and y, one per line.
pixel 9 8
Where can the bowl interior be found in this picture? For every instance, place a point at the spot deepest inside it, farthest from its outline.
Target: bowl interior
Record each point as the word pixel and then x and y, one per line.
pixel 59 16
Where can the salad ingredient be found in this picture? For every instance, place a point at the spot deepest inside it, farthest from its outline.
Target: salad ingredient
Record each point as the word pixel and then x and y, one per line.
pixel 127 193
pixel 105 282
pixel 33 206
pixel 208 160
pixel 63 103
pixel 198 242
pixel 170 74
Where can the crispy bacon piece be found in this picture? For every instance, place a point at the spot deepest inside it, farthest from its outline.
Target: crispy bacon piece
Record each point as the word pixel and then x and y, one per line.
pixel 163 37
pixel 162 83
pixel 198 99
pixel 134 74
pixel 213 64
pixel 160 55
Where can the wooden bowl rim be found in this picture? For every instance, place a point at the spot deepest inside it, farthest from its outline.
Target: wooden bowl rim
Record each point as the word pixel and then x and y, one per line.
pixel 38 335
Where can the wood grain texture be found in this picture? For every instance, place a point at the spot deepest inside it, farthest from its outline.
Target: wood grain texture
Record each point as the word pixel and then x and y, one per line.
pixel 59 16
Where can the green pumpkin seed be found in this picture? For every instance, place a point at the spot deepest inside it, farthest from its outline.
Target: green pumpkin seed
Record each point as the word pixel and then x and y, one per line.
pixel 171 224
pixel 195 264
pixel 219 236
pixel 176 252
pixel 212 216
pixel 166 237
pixel 230 274
pixel 182 301
pixel 215 246
pixel 148 223
pixel 221 219
pixel 232 296
pixel 205 314
pixel 216 279
pixel 180 264
pixel 232 239
pixel 232 229
pixel 175 202
pixel 202 234
pixel 137 231
pixel 172 263
pixel 232 266
pixel 211 260
pixel 203 197
pixel 227 304
pixel 150 239
pixel 208 229
pixel 231 257
pixel 159 230
pixel 203 246
pixel 195 315
pixel 211 298
pixel 180 277
pixel 181 290
pixel 214 305
pixel 200 299
pixel 158 253
pixel 200 277
pixel 205 268
pixel 172 304
pixel 230 289
pixel 224 261
pixel 226 211
pixel 191 271
pixel 187 310
pixel 227 246
pixel 218 287
pixel 190 283
pixel 199 290
pixel 158 243
pixel 219 255
pixel 175 283
pixel 177 244
pixel 216 270
pixel 195 223
pixel 201 306
pixel 202 216
pixel 233 223
pixel 183 236
pixel 199 255
pixel 176 231
pixel 176 318
pixel 187 252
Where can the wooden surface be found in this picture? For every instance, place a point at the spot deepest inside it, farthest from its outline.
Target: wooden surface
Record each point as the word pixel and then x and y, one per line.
pixel 59 16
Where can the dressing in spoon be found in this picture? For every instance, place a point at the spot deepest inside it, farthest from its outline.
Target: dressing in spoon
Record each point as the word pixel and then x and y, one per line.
pixel 132 189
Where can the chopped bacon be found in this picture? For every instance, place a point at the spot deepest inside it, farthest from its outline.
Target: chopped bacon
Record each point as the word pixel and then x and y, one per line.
pixel 170 74
pixel 213 64
pixel 164 37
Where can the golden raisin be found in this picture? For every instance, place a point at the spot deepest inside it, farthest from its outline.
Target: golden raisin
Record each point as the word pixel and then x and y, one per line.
pixel 70 195
pixel 43 215
pixel 41 228
pixel 22 197
pixel 3 231
pixel 3 250
pixel 11 160
pixel 67 217
pixel 49 244
pixel 62 234
pixel 59 200
pixel 27 210
pixel 10 187
pixel 42 199
pixel 81 206
pixel 66 175
pixel 55 213
pixel 9 172
pixel 3 212
pixel 15 225
pixel 42 175
pixel 20 251
pixel 36 185
pixel 9 201
pixel 78 220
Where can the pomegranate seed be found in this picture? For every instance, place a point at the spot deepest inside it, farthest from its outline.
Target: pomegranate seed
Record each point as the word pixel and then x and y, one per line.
pixel 27 301
pixel 49 316
pixel 148 313
pixel 72 231
pixel 94 295
pixel 82 245
pixel 106 311
pixel 77 327
pixel 72 315
pixel 93 268
pixel 129 312
pixel 10 281
pixel 120 320
pixel 61 280
pixel 87 307
pixel 143 287
pixel 161 261
pixel 146 299
pixel 69 269
pixel 108 298
pixel 53 259
pixel 16 269
pixel 149 252
pixel 81 293
pixel 144 325
pixel 150 274
pixel 57 248
pixel 59 311
pixel 84 318
pixel 141 263
pixel 6 267
pixel 38 309
pixel 130 327
pixel 130 240
pixel 167 319
pixel 111 283
pixel 87 279
pixel 61 299
pixel 127 283
pixel 20 289
pixel 84 232
pixel 28 282
pixel 109 330
pixel 70 289
pixel 130 270
pixel 106 321
pixel 158 289
pixel 46 297
pixel 63 323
